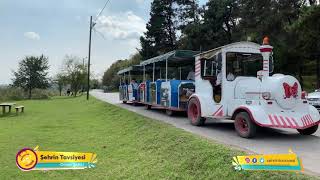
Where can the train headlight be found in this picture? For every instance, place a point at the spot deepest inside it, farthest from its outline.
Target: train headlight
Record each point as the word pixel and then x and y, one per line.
pixel 266 95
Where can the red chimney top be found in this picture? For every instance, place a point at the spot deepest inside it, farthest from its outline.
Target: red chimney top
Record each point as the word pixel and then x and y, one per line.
pixel 265 40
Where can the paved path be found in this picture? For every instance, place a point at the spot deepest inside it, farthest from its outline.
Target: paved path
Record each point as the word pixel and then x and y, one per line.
pixel 266 141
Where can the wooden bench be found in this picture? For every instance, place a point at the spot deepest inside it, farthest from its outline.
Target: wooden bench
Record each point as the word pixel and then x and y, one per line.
pixel 19 107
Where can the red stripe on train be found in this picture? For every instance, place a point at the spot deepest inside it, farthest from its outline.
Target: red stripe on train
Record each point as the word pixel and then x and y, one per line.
pixel 277 120
pixel 290 124
pixel 310 118
pixel 295 122
pixel 284 122
pixel 270 118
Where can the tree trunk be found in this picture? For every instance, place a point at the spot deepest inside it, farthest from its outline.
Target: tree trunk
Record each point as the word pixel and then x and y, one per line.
pixel 60 89
pixel 300 77
pixel 300 70
pixel 30 86
pixel 171 30
pixel 194 11
pixel 30 93
pixel 318 73
pixel 75 92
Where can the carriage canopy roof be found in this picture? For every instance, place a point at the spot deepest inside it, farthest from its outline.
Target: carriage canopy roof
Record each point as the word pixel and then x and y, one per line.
pixel 137 69
pixel 175 58
pixel 178 57
pixel 249 46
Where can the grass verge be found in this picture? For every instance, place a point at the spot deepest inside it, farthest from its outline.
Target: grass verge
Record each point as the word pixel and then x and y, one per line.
pixel 128 145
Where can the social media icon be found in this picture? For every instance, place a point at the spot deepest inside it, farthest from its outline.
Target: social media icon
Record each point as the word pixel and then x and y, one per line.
pixel 254 160
pixel 261 160
pixel 247 160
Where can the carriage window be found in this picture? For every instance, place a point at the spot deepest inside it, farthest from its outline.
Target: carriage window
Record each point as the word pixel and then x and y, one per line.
pixel 243 64
pixel 209 67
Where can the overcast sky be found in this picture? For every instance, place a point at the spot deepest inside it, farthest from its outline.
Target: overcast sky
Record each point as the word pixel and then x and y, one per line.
pixel 59 27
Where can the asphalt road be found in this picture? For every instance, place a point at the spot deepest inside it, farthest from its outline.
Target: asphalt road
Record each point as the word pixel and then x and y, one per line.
pixel 267 140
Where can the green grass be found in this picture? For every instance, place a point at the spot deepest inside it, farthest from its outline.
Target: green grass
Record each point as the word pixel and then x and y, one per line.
pixel 128 145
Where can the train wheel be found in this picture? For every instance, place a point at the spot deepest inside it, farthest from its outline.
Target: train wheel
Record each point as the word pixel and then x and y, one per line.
pixel 169 112
pixel 194 113
pixel 309 130
pixel 147 107
pixel 244 126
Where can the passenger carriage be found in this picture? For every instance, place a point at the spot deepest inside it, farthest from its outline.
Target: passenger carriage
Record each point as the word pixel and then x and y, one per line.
pixel 129 84
pixel 168 87
pixel 234 82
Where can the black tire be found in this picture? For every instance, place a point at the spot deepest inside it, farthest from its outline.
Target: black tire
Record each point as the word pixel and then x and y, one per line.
pixel 124 102
pixel 244 125
pixel 309 130
pixel 147 107
pixel 194 113
pixel 169 112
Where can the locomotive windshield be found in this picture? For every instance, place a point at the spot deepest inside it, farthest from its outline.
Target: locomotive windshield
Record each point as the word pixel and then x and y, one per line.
pixel 243 64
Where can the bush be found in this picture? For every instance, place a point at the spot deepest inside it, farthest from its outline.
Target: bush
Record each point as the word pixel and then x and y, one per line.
pixel 9 93
pixel 16 94
pixel 43 93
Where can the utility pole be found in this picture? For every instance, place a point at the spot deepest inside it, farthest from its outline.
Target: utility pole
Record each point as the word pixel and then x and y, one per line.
pixel 83 83
pixel 89 56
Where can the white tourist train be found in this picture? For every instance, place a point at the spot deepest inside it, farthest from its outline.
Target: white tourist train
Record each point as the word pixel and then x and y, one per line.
pixel 230 82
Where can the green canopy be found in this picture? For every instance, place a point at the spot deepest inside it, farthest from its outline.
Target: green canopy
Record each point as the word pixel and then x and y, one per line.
pixel 175 58
pixel 134 70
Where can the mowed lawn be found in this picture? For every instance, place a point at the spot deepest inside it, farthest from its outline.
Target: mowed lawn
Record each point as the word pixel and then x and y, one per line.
pixel 128 145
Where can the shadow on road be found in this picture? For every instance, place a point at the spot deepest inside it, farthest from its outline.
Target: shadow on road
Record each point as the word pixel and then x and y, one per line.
pixel 262 132
pixel 227 126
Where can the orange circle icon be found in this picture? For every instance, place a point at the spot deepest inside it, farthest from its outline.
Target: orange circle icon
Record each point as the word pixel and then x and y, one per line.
pixel 26 159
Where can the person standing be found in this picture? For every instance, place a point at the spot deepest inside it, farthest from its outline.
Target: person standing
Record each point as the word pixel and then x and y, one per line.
pixel 134 84
pixel 68 92
pixel 191 74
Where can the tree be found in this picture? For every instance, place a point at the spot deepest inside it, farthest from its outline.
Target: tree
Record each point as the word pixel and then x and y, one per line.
pixel 306 32
pixel 161 30
pixel 220 21
pixel 190 15
pixel 95 83
pixel 110 77
pixel 32 73
pixel 61 80
pixel 187 12
pixel 214 25
pixel 182 24
pixel 273 18
pixel 75 72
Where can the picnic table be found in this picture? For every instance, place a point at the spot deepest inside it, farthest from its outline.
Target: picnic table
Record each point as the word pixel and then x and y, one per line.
pixel 4 105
